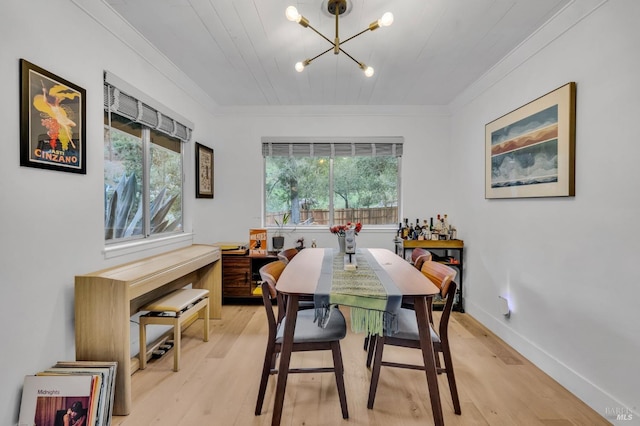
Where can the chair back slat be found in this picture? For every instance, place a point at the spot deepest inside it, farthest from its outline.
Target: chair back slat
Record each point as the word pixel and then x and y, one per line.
pixel 419 256
pixel 287 254
pixel 270 273
pixel 439 274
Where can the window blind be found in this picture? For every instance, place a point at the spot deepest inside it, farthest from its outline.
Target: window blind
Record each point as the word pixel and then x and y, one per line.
pixel 332 147
pixel 125 100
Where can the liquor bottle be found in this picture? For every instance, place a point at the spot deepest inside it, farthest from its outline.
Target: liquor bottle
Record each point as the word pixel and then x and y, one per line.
pixel 447 227
pixel 431 229
pixel 420 231
pixel 426 233
pixel 418 228
pixel 410 234
pixel 437 226
pixel 405 229
pixel 444 232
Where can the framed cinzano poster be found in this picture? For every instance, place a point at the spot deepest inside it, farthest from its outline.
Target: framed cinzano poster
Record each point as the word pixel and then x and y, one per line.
pixel 530 152
pixel 52 121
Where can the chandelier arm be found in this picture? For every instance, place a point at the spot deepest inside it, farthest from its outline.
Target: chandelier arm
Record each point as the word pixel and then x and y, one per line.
pixel 321 35
pixel 336 43
pixel 356 35
pixel 350 57
pixel 317 56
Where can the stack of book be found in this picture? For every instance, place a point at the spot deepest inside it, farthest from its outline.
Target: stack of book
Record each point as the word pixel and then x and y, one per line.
pixel 81 391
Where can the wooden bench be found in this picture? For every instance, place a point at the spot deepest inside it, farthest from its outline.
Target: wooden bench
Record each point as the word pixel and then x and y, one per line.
pixel 173 309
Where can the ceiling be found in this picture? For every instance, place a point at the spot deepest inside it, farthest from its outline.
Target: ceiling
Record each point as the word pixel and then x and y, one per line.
pixel 242 52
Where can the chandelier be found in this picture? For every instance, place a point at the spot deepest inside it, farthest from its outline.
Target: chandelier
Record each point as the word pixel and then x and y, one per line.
pixel 337 8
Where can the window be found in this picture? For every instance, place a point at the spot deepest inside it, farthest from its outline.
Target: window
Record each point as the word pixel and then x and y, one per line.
pixel 332 182
pixel 143 184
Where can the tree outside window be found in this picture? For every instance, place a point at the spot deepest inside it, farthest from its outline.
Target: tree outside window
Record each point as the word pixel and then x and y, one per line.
pixel 323 189
pixel 135 158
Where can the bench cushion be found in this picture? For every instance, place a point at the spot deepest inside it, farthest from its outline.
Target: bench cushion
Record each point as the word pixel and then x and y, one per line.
pixel 176 301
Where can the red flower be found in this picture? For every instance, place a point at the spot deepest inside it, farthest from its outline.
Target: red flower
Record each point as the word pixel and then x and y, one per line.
pixel 340 230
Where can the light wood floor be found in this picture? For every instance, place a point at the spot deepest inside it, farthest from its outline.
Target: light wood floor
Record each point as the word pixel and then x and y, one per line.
pixel 218 383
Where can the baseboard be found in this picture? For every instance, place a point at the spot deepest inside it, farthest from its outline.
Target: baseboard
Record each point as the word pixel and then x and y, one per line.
pixel 596 398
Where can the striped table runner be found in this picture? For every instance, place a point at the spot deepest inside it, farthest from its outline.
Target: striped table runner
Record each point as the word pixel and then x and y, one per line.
pixel 369 291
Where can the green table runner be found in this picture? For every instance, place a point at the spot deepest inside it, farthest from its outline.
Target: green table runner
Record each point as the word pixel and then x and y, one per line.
pixel 369 291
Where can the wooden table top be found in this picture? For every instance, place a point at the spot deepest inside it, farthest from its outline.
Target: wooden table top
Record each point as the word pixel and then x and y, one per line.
pixel 303 271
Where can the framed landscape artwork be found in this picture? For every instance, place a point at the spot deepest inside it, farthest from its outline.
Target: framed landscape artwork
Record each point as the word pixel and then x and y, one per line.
pixel 204 171
pixel 530 152
pixel 52 121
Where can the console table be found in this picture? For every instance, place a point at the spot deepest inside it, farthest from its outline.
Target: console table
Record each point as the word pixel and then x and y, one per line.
pixel 449 248
pixel 105 301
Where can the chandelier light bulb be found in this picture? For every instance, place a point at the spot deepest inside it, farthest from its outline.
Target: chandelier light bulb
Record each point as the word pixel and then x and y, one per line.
pixel 385 21
pixel 292 14
pixel 299 66
pixel 369 71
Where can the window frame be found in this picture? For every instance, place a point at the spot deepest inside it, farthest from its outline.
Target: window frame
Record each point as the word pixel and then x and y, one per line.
pixel 300 144
pixel 145 186
pixel 126 101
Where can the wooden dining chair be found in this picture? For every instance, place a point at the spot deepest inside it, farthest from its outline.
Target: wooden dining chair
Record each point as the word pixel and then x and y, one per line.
pixel 308 336
pixel 306 302
pixel 408 335
pixel 420 255
pixel 287 254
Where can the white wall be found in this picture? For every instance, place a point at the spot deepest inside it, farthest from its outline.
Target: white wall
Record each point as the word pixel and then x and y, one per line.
pixel 568 265
pixel 237 204
pixel 53 221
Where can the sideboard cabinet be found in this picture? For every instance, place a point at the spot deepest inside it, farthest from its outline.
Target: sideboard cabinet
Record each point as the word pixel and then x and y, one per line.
pixel 241 272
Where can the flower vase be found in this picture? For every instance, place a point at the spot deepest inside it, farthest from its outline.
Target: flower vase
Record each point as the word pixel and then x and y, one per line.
pixel 341 243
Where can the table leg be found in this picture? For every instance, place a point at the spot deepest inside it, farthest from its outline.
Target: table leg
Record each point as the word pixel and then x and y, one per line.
pixel 420 305
pixel 285 357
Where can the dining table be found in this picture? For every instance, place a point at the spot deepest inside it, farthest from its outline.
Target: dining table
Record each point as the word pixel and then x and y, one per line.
pixel 316 271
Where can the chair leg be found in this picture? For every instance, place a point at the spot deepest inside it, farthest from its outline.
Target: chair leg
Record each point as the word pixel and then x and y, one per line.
pixel 269 358
pixel 371 350
pixel 436 356
pixel 339 372
pixel 375 373
pixel 446 353
pixel 366 342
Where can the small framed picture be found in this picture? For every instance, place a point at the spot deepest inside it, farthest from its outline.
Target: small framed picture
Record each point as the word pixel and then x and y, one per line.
pixel 204 171
pixel 52 121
